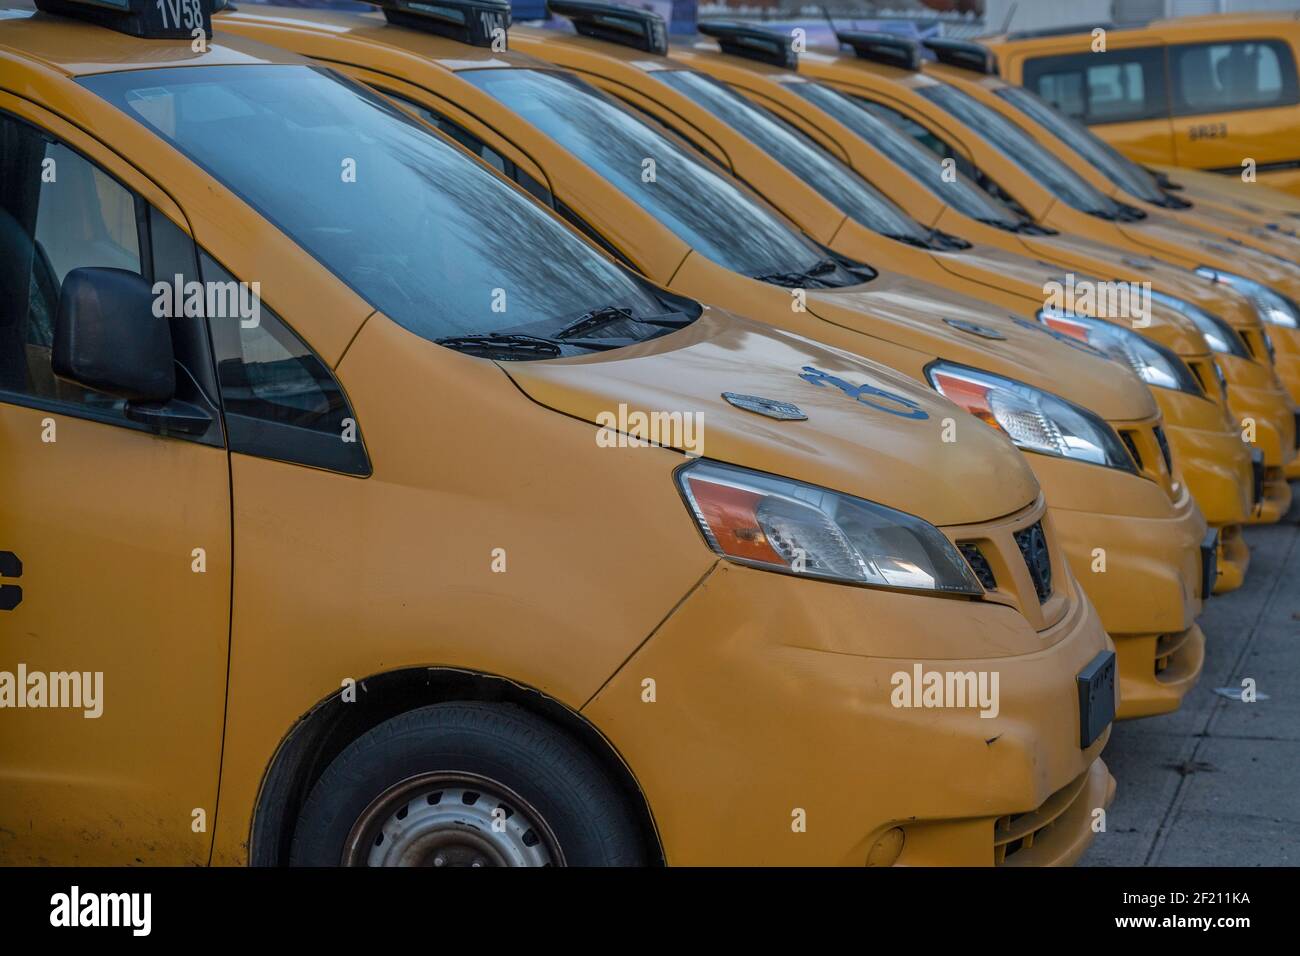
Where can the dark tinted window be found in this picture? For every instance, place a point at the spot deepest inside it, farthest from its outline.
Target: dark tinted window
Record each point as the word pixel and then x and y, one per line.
pixel 1241 75
pixel 830 178
pixel 919 162
pixel 711 213
pixel 1103 157
pixel 432 240
pixel 1113 87
pixel 506 167
pixel 280 400
pixel 1021 148
pixel 58 212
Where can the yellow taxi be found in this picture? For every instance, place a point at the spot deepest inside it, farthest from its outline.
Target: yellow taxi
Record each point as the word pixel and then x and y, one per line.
pixel 357 511
pixel 971 68
pixel 1129 525
pixel 1009 163
pixel 1214 461
pixel 1207 92
pixel 1132 186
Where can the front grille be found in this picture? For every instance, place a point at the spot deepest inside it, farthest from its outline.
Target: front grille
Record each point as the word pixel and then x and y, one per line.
pixel 1163 442
pixel 1257 474
pixel 1131 445
pixel 1033 548
pixel 1012 834
pixel 979 564
pixel 1167 645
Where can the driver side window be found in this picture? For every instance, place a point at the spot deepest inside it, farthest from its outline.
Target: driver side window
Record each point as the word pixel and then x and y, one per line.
pixel 58 212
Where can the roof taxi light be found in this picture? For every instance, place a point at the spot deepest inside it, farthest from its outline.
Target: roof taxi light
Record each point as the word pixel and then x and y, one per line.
pixel 963 54
pixel 476 22
pixel 147 19
pixel 615 23
pixel 887 48
pixel 751 42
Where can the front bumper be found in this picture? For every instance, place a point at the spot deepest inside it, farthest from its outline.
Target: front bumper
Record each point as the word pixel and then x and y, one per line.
pixel 1214 461
pixel 1259 403
pixel 1139 558
pixel 1233 561
pixel 773 737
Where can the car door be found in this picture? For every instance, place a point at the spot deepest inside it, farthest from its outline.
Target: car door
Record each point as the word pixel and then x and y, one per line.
pixel 1121 93
pixel 1234 100
pixel 116 539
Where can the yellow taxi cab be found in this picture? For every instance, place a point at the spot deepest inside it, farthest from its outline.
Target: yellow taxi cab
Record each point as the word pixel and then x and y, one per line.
pixel 1252 198
pixel 1010 164
pixel 1129 184
pixel 1207 92
pixel 972 68
pixel 686 94
pixel 357 511
pixel 1127 521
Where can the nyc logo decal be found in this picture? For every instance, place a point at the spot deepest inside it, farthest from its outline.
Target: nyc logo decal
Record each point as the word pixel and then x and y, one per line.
pixel 865 394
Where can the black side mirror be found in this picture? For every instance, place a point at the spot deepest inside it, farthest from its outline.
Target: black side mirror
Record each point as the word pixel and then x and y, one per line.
pixel 106 336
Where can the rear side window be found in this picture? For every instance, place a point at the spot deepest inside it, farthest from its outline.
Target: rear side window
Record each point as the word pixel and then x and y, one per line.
pixel 1118 86
pixel 1222 77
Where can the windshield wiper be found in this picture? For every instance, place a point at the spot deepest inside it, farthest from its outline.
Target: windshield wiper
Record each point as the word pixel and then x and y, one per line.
pixel 505 345
pixel 608 314
pixel 795 279
pixel 947 241
pixel 910 240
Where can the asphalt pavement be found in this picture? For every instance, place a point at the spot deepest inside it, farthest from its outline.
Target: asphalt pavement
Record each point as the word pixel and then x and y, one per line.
pixel 1218 782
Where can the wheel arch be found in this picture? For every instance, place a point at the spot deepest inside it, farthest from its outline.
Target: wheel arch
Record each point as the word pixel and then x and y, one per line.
pixel 324 731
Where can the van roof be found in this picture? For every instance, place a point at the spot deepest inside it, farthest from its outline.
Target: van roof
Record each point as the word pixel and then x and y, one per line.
pixel 77 48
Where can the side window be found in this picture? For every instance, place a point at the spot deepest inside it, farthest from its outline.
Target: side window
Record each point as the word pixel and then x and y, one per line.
pixel 1115 87
pixel 943 150
pixel 919 133
pixel 280 400
pixel 1241 75
pixel 673 133
pixel 506 167
pixel 58 212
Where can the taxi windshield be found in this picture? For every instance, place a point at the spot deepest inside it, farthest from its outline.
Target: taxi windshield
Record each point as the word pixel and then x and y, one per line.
pixel 1022 149
pixel 914 159
pixel 1099 154
pixel 420 231
pixel 710 212
pixel 831 179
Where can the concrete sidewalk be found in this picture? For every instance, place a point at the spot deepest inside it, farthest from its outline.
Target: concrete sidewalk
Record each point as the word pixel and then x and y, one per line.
pixel 1218 782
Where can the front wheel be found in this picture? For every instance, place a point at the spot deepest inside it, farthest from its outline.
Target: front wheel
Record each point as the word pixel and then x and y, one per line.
pixel 465 784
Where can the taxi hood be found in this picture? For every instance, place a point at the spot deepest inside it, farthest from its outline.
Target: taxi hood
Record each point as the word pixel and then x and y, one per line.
pixel 869 431
pixel 956 328
pixel 1218 300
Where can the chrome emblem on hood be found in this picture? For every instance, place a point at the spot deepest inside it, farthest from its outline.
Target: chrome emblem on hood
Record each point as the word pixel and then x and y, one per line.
pixel 781 411
pixel 974 328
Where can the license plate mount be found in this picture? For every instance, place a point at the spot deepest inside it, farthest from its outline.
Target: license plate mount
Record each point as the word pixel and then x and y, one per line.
pixel 1096 684
pixel 1209 563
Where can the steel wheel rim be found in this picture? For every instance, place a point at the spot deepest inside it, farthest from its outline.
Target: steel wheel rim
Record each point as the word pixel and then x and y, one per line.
pixel 451 819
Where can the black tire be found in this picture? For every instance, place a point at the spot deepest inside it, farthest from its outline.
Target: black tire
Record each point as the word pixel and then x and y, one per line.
pixel 559 779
